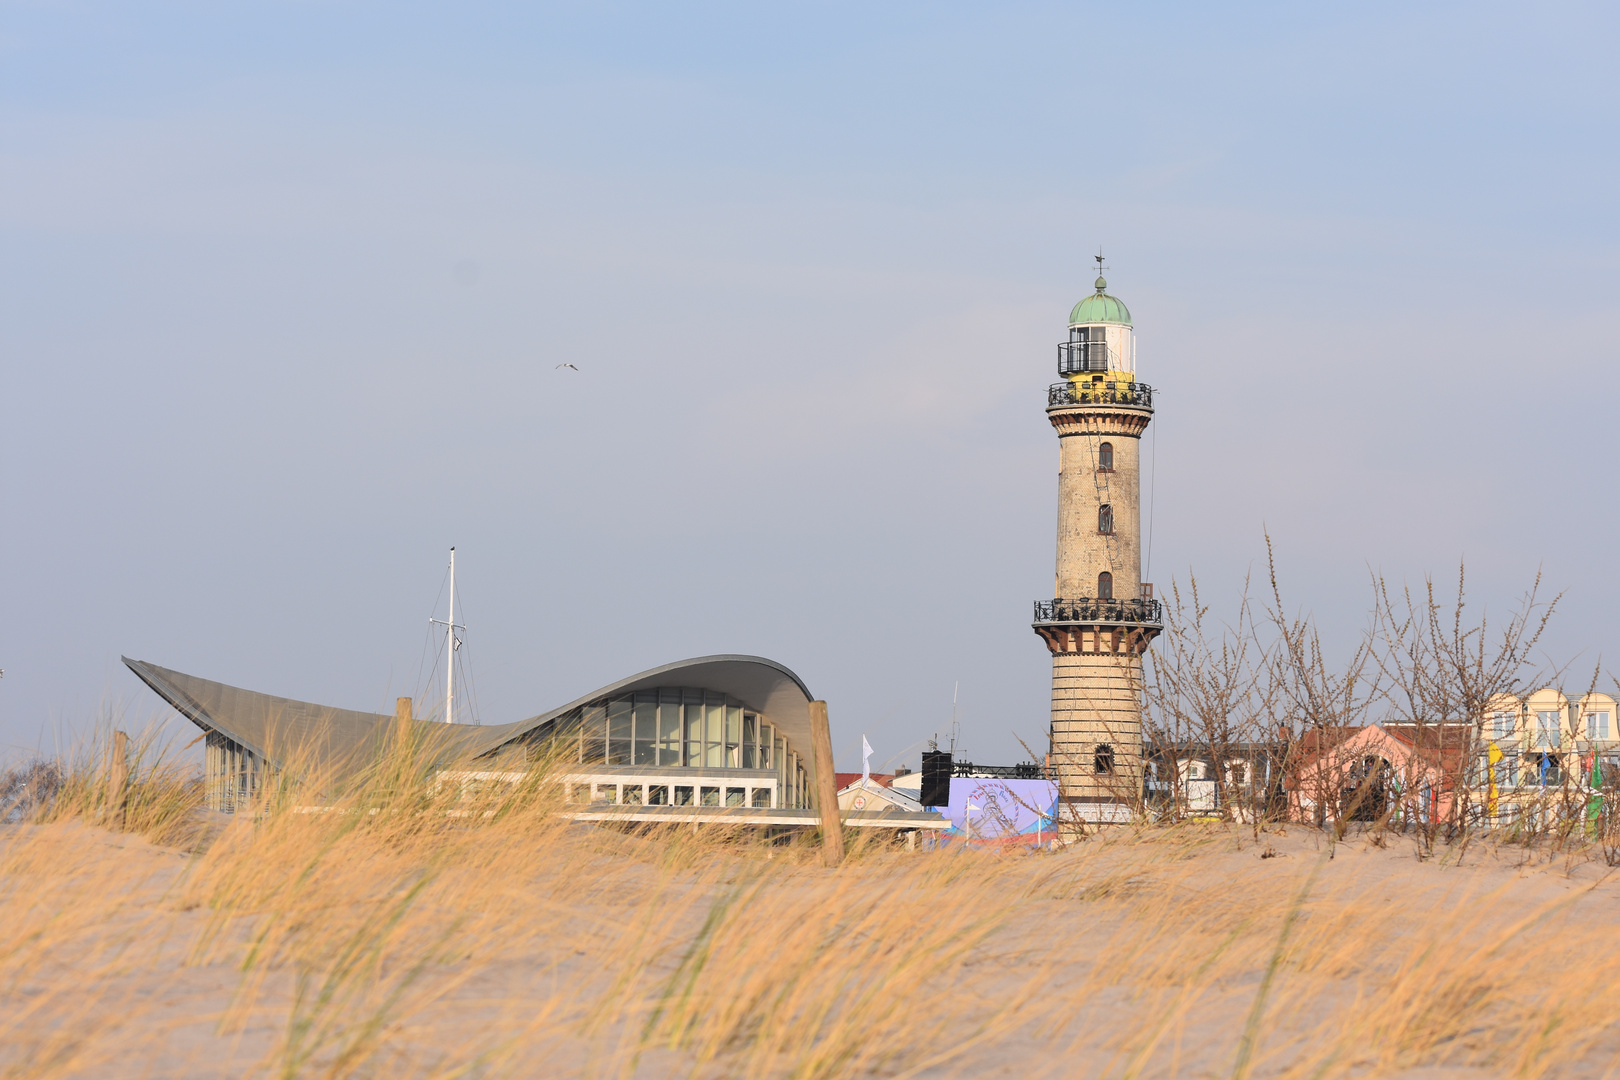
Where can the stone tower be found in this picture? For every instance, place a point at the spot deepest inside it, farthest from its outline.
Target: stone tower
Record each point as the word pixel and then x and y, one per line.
pixel 1102 616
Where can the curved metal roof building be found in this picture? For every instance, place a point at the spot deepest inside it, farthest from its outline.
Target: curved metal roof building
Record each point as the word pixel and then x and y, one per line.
pixel 731 729
pixel 273 727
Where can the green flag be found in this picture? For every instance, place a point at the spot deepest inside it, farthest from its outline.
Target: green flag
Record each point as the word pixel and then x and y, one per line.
pixel 1594 805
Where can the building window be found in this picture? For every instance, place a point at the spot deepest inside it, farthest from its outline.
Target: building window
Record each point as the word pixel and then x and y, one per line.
pixel 1105 586
pixel 619 727
pixel 1597 725
pixel 1502 726
pixel 674 726
pixel 1103 760
pixel 1547 730
pixel 1543 770
pixel 1105 457
pixel 1105 519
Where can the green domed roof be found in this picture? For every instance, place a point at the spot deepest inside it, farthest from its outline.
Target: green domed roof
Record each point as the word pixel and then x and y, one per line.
pixel 1099 307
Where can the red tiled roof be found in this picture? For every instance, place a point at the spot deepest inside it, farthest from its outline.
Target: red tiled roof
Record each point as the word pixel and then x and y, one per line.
pixel 1443 746
pixel 842 780
pixel 1311 744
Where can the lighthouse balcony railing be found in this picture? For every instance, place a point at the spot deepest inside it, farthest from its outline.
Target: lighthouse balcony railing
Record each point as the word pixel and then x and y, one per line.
pixel 1075 357
pixel 1137 394
pixel 1089 611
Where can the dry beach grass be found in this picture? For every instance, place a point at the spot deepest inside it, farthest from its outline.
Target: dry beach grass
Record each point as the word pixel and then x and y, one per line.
pixel 402 932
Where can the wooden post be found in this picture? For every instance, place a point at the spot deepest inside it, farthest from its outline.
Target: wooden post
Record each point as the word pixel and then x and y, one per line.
pixel 832 827
pixel 118 780
pixel 402 721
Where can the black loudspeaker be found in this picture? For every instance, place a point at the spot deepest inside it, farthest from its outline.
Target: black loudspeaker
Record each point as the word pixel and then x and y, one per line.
pixel 936 778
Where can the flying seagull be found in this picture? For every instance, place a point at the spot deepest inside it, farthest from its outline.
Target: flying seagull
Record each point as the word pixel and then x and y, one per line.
pixel 571 367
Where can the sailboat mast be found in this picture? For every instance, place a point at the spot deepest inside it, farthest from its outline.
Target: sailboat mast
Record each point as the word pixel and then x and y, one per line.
pixel 450 649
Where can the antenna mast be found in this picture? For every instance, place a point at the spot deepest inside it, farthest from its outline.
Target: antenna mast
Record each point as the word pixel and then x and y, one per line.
pixel 450 649
pixel 450 643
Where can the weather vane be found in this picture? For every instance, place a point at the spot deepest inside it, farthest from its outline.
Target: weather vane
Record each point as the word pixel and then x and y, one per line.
pixel 1099 258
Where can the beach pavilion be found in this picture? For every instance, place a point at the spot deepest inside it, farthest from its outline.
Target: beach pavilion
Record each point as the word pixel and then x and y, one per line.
pixel 713 738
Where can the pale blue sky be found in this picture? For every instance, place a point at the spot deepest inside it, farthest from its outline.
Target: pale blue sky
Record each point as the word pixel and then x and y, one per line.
pixel 283 288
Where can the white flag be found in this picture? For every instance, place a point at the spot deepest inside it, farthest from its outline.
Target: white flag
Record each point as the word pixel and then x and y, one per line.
pixel 866 759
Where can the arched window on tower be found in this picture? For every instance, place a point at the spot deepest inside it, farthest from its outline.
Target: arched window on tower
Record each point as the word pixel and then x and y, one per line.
pixel 1105 518
pixel 1103 759
pixel 1105 586
pixel 1105 457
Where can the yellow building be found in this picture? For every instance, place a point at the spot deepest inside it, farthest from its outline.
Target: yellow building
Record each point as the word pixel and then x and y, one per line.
pixel 1544 741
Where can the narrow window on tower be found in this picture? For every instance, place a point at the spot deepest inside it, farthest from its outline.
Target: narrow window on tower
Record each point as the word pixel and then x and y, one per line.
pixel 1105 518
pixel 1105 457
pixel 1105 586
pixel 1103 760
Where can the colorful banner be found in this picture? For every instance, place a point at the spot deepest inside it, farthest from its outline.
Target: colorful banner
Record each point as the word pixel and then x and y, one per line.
pixel 1010 811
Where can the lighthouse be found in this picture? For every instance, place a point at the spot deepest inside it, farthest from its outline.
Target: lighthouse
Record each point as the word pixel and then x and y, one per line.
pixel 1102 616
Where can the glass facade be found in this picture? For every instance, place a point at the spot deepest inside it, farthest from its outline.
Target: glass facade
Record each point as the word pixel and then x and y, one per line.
pixel 686 728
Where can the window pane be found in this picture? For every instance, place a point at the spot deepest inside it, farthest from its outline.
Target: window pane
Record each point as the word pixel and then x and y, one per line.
pixel 618 732
pixel 669 733
pixel 593 736
pixel 711 796
pixel 750 741
pixel 694 736
pixel 1547 729
pixel 646 731
pixel 734 736
pixel 714 741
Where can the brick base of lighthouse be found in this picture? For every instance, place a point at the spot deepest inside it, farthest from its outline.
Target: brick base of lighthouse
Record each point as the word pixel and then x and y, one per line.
pixel 1097 734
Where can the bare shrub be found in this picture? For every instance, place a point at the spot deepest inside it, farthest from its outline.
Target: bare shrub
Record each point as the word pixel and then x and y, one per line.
pixel 1249 719
pixel 1441 671
pixel 28 790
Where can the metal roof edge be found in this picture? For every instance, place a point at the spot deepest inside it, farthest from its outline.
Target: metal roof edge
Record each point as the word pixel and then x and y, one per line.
pixel 508 732
pixel 480 740
pixel 184 705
